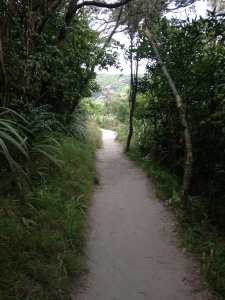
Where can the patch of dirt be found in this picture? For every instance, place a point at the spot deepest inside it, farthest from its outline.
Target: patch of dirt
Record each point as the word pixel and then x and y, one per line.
pixel 132 249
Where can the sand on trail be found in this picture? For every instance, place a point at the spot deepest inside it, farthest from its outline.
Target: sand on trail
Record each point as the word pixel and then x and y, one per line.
pixel 132 250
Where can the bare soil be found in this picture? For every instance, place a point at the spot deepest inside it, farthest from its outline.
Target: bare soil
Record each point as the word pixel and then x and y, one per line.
pixel 132 249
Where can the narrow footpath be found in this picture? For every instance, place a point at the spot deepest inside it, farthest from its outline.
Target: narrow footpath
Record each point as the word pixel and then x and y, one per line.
pixel 132 249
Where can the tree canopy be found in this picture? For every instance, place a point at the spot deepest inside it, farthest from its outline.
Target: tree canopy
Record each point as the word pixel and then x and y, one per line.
pixel 49 52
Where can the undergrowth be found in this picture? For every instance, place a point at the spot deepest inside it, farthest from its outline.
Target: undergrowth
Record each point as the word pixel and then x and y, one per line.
pixel 42 232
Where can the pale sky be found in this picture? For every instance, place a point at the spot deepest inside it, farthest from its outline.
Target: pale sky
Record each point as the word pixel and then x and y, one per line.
pixel 200 6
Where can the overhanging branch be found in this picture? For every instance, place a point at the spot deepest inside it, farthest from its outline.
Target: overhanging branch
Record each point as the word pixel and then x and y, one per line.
pixel 101 4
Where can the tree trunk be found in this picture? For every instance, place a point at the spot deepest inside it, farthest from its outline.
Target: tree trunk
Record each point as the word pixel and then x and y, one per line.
pixel 133 93
pixel 133 98
pixel 54 6
pixel 2 33
pixel 72 8
pixel 182 115
pixel 3 84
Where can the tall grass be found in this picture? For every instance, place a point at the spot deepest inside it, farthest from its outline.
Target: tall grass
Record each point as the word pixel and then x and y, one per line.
pixel 31 136
pixel 21 149
pixel 13 139
pixel 42 232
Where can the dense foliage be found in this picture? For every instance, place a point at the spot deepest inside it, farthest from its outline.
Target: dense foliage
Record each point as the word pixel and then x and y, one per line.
pixel 44 74
pixel 42 68
pixel 194 55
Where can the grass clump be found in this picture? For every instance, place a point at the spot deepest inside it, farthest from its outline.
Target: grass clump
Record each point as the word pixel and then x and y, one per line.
pixel 200 236
pixel 42 232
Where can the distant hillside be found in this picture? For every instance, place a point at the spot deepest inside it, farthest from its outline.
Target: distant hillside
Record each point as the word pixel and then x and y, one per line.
pixel 111 85
pixel 104 96
pixel 117 83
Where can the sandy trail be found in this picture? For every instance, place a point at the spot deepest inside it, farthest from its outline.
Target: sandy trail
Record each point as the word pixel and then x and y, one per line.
pixel 132 248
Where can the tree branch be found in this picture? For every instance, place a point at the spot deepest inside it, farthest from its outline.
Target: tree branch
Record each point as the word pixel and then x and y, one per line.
pixel 101 4
pixel 7 18
pixel 73 7
pixel 47 15
pixel 116 26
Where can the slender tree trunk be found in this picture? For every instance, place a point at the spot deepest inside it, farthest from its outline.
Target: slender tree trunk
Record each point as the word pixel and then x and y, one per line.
pixel 133 100
pixel 182 115
pixel 2 33
pixel 74 105
pixel 3 84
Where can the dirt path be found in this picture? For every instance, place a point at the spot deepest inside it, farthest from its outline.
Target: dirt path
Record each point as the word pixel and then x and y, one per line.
pixel 132 247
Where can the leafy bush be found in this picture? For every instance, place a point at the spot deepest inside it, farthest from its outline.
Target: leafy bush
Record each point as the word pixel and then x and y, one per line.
pixel 24 153
pixel 13 144
pixel 193 53
pixel 41 120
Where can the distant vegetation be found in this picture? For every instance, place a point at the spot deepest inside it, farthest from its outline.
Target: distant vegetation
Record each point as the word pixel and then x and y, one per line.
pixel 116 83
pixel 119 84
